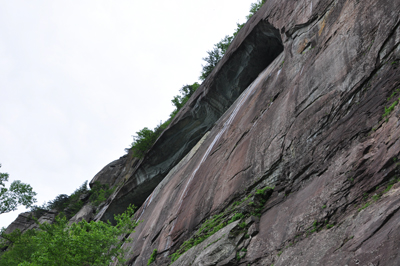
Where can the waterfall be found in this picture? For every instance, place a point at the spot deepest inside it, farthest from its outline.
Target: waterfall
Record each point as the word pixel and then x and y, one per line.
pixel 145 204
pixel 239 103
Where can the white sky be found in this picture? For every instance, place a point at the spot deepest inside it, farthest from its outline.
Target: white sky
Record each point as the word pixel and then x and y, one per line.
pixel 79 78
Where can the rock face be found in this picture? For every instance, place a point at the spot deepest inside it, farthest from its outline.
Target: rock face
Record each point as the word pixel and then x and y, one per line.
pixel 248 55
pixel 288 154
pixel 112 173
pixel 25 222
pixel 311 125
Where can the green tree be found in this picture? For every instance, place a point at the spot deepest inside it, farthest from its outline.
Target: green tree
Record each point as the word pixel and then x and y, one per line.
pixel 142 142
pixel 216 54
pixel 17 194
pixel 99 193
pixel 83 243
pixel 254 7
pixel 180 100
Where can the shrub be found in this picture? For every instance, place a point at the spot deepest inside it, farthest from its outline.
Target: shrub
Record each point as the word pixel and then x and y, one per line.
pixel 235 217
pixel 152 257
pixel 70 205
pixel 83 243
pixel 99 193
pixel 219 50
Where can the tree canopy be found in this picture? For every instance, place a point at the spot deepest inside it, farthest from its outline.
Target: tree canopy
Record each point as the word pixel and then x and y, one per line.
pixel 146 137
pixel 220 48
pixel 83 243
pixel 17 194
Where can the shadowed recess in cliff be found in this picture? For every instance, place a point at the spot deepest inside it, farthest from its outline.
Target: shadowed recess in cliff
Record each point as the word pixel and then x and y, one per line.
pixel 243 62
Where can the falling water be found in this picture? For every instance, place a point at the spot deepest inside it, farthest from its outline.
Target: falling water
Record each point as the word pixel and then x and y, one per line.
pixel 145 204
pixel 242 99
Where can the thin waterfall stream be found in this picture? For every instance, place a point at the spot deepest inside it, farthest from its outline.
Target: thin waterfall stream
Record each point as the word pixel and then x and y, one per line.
pixel 240 101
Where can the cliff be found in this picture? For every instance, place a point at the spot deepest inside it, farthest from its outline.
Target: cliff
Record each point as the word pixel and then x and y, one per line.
pixel 287 154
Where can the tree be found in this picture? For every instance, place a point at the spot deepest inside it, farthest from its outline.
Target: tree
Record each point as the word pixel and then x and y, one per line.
pixel 83 243
pixel 18 194
pixel 142 142
pixel 180 100
pixel 215 55
pixel 254 7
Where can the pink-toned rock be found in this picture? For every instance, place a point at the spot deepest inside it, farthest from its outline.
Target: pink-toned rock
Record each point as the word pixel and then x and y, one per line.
pixel 311 125
pixel 315 124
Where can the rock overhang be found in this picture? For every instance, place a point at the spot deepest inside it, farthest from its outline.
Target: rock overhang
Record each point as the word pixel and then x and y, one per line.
pixel 255 47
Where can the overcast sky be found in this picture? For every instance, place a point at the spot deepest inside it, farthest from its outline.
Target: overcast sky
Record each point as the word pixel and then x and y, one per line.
pixel 79 78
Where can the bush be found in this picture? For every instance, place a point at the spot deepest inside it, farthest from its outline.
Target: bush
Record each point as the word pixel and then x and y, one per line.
pixel 152 257
pixel 99 193
pixel 219 50
pixel 180 100
pixel 83 243
pixel 70 205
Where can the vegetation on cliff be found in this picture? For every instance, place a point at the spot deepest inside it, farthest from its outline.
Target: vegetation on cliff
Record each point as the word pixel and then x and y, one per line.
pixel 97 243
pixel 216 54
pixel 250 205
pixel 146 137
pixel 69 205
pixel 83 243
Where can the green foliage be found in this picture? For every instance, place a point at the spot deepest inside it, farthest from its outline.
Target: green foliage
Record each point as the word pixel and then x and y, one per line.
pixel 254 7
pixel 17 194
pixel 365 206
pixel 389 187
pixel 180 100
pixel 324 207
pixel 315 227
pixel 262 191
pixel 83 243
pixel 389 109
pixel 328 226
pixel 242 225
pixel 393 94
pixel 235 217
pixel 214 56
pixel 70 205
pixel 152 257
pixel 142 142
pixel 208 228
pixel 145 138
pixel 376 197
pixel 219 49
pixel 217 222
pixel 20 246
pixel 99 193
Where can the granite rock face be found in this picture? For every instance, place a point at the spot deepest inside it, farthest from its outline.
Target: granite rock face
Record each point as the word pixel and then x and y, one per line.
pixel 112 173
pixel 320 124
pixel 247 57
pixel 290 148
pixel 25 222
